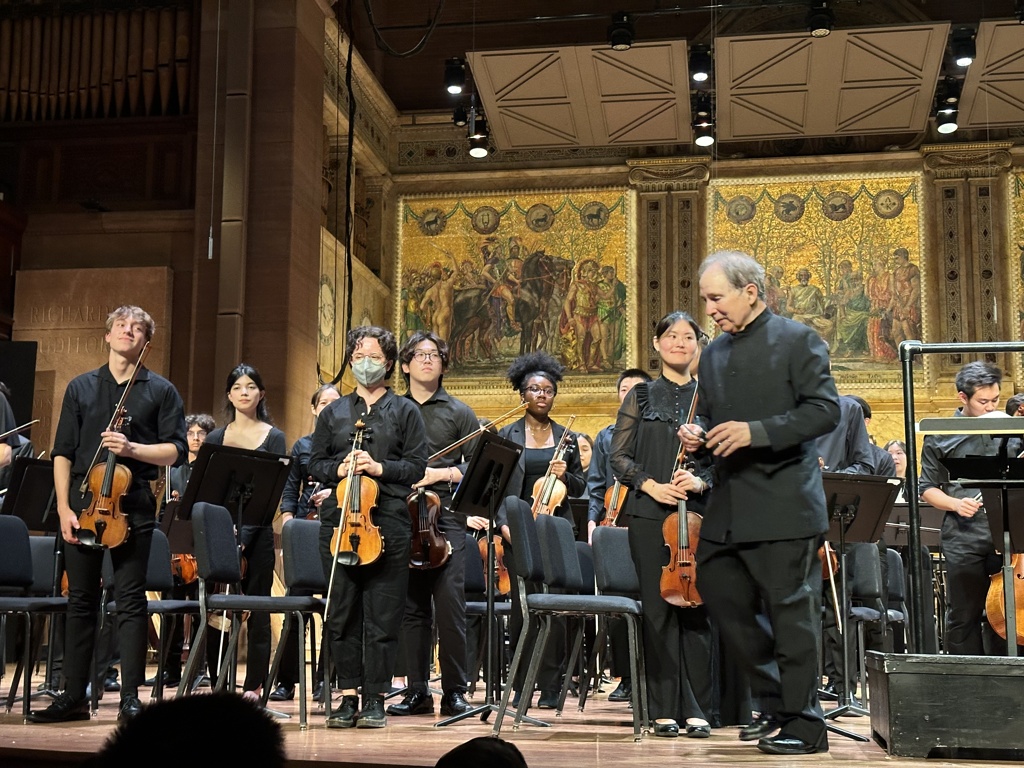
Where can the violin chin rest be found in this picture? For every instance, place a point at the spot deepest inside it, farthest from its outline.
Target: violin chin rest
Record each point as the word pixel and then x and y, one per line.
pixel 348 558
pixel 87 538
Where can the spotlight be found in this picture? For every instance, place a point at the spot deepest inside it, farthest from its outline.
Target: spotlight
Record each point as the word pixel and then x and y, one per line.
pixel 459 116
pixel 948 91
pixel 963 46
pixel 703 121
pixel 820 19
pixel 945 120
pixel 478 147
pixel 700 63
pixel 454 75
pixel 620 33
pixel 477 125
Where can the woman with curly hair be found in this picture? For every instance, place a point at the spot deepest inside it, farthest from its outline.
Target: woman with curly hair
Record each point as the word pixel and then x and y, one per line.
pixel 535 376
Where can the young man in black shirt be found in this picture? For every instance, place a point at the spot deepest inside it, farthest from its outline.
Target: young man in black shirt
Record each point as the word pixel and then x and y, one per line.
pixel 154 437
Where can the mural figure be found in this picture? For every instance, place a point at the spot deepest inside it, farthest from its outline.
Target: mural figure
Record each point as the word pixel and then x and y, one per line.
pixel 853 309
pixel 807 305
pixel 906 298
pixel 540 275
pixel 579 312
pixel 879 291
pixel 611 308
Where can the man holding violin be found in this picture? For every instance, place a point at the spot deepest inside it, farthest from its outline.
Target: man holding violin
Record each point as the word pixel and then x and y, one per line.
pixel 436 583
pixel 154 437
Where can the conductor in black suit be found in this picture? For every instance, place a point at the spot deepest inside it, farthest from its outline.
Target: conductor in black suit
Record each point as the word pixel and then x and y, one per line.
pixel 764 394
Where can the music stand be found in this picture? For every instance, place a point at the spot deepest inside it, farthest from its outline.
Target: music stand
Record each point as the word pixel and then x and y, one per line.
pixel 32 497
pixel 995 476
pixel 858 507
pixel 248 483
pixel 479 493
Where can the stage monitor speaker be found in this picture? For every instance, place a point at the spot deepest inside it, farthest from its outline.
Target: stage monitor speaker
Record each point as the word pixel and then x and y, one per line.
pixel 18 372
pixel 947 706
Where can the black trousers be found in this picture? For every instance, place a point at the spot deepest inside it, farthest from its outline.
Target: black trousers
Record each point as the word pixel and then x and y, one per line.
pixel 967 583
pixel 367 602
pixel 780 644
pixel 84 566
pixel 436 596
pixel 677 641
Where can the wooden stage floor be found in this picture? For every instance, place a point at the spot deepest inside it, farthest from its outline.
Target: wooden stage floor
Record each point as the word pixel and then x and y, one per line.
pixel 599 736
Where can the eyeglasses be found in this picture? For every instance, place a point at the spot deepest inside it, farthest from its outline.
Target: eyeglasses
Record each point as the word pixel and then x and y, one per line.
pixel 534 390
pixel 196 433
pixel 358 356
pixel 426 357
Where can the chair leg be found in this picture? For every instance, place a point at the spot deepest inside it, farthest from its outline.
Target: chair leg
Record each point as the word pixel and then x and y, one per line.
pixel 300 637
pixel 275 664
pixel 576 646
pixel 637 668
pixel 526 693
pixel 196 650
pixel 510 682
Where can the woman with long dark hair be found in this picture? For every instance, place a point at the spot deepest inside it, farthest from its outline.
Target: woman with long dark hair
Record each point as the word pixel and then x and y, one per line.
pixel 249 426
pixel 678 641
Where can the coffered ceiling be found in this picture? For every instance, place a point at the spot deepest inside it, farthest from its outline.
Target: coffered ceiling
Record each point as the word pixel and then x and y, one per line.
pixel 545 76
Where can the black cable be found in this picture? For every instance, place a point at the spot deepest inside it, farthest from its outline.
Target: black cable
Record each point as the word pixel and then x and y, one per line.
pixel 384 45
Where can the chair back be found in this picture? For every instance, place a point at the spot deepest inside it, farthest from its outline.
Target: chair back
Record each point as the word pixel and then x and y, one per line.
pixel 585 554
pixel 300 551
pixel 865 574
pixel 159 577
pixel 614 569
pixel 558 554
pixel 476 583
pixel 526 552
pixel 213 532
pixel 15 554
pixel 895 578
pixel 44 557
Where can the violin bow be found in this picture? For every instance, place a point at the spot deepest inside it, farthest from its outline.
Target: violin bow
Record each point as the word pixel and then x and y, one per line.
pixel 483 428
pixel 16 430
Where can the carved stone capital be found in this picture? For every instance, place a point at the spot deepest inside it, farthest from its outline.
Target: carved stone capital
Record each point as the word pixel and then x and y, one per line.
pixel 965 161
pixel 666 175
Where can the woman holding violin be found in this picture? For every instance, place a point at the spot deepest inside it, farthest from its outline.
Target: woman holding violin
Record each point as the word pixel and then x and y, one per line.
pixel 367 599
pixel 436 595
pixel 645 451
pixel 249 426
pixel 302 497
pixel 154 438
pixel 535 376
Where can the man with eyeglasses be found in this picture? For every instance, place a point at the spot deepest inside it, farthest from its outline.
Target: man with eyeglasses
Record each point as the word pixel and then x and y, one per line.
pixel 438 590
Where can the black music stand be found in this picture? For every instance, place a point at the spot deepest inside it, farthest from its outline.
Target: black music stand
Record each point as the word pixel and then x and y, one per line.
pixel 1001 481
pixel 248 483
pixel 858 507
pixel 32 497
pixel 479 493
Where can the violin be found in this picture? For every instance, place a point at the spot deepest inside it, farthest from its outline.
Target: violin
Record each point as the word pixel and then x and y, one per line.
pixel 681 531
pixel 504 581
pixel 549 491
pixel 995 605
pixel 357 540
pixel 102 523
pixel 614 498
pixel 430 548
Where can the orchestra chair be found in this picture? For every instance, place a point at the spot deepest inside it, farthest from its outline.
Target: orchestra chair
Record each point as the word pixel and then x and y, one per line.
pixel 545 553
pixel 217 561
pixel 476 585
pixel 897 613
pixel 26 590
pixel 614 574
pixel 303 576
pixel 866 607
pixel 159 579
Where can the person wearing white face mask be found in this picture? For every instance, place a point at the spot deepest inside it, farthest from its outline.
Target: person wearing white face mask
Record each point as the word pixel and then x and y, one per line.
pixel 367 601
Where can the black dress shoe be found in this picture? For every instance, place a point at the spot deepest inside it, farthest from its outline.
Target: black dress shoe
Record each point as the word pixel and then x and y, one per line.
pixel 283 693
pixel 63 709
pixel 372 714
pixel 788 745
pixel 345 715
pixel 318 691
pixel 666 728
pixel 624 692
pixel 698 731
pixel 828 693
pixel 130 707
pixel 414 703
pixel 454 703
pixel 762 725
pixel 110 683
pixel 548 700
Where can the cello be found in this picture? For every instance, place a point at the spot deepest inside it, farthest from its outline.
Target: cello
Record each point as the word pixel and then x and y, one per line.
pixel 357 540
pixel 102 523
pixel 681 531
pixel 549 491
pixel 995 606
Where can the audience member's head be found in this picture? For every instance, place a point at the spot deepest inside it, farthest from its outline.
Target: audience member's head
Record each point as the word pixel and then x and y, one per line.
pixel 1014 406
pixel 483 751
pixel 248 735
